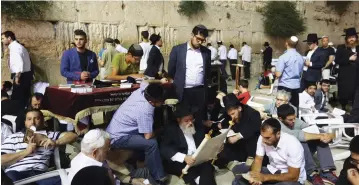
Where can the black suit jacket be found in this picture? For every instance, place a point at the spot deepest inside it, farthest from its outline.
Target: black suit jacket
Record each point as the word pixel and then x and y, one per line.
pixel 177 67
pixel 314 72
pixel 155 59
pixel 173 141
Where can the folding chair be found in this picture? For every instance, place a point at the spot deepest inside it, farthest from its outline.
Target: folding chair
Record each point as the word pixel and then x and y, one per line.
pixel 12 120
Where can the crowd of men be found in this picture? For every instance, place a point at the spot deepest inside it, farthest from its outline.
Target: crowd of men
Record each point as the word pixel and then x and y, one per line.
pixel 268 146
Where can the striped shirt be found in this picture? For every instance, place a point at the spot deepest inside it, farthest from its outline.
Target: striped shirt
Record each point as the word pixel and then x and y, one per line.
pixel 135 116
pixel 38 160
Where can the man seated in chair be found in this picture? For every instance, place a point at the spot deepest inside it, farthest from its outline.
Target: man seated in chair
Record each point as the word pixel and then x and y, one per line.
pixel 247 123
pixel 321 97
pixel 306 99
pixel 132 126
pixel 282 97
pixel 286 159
pixel 311 143
pixel 25 159
pixel 350 172
pixel 180 141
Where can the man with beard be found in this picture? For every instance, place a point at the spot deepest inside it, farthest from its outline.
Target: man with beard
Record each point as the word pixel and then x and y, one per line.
pixel 350 171
pixel 330 54
pixel 306 99
pixel 189 67
pixel 321 97
pixel 286 159
pixel 247 123
pixel 348 83
pixel 179 143
pixel 79 65
pixel 312 143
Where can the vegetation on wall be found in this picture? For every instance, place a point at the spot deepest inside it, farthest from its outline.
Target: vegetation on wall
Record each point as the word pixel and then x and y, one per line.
pixel 282 19
pixel 339 6
pixel 24 9
pixel 191 8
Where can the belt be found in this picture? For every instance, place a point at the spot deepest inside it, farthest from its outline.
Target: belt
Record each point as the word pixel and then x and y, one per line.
pixel 197 87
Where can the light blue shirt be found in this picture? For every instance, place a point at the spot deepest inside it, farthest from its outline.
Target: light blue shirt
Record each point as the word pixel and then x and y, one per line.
pixel 290 65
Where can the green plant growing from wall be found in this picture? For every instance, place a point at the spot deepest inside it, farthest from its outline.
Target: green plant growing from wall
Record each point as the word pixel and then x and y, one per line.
pixel 191 8
pixel 24 9
pixel 339 6
pixel 282 19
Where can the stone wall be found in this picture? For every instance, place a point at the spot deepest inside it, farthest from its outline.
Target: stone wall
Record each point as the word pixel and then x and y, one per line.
pixel 47 39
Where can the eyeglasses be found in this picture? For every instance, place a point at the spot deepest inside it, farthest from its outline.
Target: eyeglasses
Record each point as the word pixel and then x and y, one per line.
pixel 200 40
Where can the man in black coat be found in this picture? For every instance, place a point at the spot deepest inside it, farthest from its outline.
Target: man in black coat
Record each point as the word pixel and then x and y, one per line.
pixel 267 56
pixel 350 171
pixel 247 124
pixel 346 57
pixel 189 66
pixel 155 61
pixel 180 141
pixel 315 61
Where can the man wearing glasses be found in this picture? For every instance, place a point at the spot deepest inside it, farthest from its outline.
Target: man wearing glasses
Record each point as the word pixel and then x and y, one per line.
pixel 315 61
pixel 269 110
pixel 189 67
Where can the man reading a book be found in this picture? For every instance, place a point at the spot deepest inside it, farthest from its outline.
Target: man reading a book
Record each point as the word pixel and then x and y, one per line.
pixel 26 154
pixel 180 142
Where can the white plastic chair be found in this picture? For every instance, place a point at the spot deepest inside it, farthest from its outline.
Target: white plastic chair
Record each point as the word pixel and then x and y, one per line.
pixel 12 120
pixel 63 173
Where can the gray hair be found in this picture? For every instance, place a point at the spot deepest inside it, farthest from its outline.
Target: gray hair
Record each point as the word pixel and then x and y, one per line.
pixel 284 94
pixel 94 139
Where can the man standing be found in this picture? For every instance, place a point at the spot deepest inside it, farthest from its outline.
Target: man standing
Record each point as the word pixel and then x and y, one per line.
pixel 312 143
pixel 267 56
pixel 314 62
pixel 120 48
pixel 106 59
pixel 286 159
pixel 20 68
pixel 347 58
pixel 179 143
pixel 189 67
pixel 321 97
pixel 146 47
pixel 213 52
pixel 233 59
pixel 222 54
pixel 289 70
pixel 155 62
pixel 132 126
pixel 124 65
pixel 246 52
pixel 79 65
pixel 330 54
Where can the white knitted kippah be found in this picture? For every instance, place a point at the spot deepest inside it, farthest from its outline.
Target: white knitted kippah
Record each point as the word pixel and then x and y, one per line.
pixel 92 136
pixel 294 38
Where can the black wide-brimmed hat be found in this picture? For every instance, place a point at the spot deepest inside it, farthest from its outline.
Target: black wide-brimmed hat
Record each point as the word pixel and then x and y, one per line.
pixel 350 32
pixel 183 109
pixel 231 100
pixel 266 44
pixel 312 37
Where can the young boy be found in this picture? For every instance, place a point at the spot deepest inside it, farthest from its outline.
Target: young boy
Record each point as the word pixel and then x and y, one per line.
pixel 242 93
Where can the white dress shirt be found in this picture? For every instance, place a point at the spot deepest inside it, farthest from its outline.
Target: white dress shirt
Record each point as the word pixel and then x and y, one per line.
pixel 233 54
pixel 146 47
pixel 5 131
pixel 179 157
pixel 79 162
pixel 194 67
pixel 213 52
pixel 246 52
pixel 309 56
pixel 19 58
pixel 306 103
pixel 222 52
pixel 121 49
pixel 288 153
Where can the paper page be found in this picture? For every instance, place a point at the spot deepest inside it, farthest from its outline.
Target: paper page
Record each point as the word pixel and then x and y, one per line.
pixel 312 129
pixel 338 112
pixel 230 132
pixel 125 85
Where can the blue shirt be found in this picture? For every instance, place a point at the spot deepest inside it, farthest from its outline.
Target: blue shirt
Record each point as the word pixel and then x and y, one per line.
pixel 135 116
pixel 290 65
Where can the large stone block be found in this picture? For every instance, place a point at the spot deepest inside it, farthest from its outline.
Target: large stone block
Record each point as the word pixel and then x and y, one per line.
pixel 28 28
pixel 100 11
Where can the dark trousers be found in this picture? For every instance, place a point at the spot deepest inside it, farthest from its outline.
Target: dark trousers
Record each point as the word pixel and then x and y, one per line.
pixel 354 114
pixel 267 64
pixel 247 69
pixel 195 97
pixel 22 91
pixel 233 68
pixel 223 68
pixel 324 154
pixel 16 175
pixel 294 100
pixel 205 171
pixel 243 168
pixel 149 147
